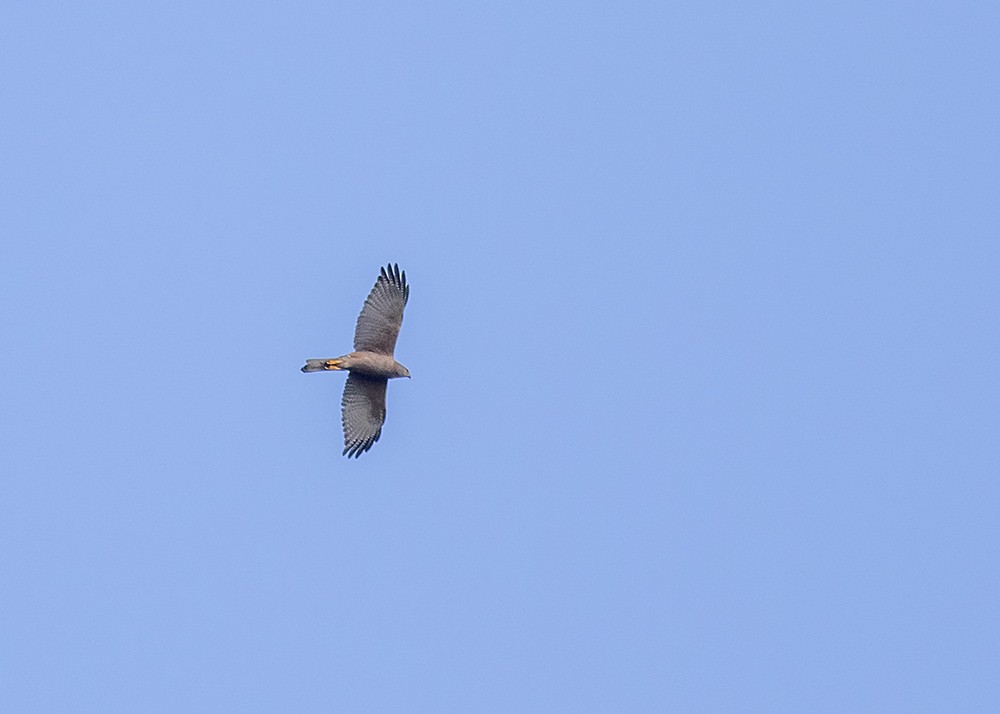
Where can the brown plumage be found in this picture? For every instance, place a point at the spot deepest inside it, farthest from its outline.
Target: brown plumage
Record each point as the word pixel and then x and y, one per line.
pixel 371 365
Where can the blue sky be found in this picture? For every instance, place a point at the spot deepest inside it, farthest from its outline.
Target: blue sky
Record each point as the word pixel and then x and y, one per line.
pixel 703 334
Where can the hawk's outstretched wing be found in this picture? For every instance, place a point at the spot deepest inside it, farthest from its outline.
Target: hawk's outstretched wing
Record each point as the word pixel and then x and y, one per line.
pixel 382 316
pixel 363 413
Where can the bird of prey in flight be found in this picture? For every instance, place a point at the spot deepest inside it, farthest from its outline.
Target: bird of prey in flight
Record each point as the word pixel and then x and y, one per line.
pixel 371 365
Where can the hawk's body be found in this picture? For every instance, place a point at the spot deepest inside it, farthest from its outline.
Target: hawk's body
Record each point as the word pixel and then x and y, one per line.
pixel 371 364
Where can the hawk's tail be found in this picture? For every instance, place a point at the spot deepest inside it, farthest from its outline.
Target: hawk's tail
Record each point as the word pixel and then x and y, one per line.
pixel 318 365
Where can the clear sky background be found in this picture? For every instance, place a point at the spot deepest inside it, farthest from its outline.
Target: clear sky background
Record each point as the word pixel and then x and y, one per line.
pixel 703 334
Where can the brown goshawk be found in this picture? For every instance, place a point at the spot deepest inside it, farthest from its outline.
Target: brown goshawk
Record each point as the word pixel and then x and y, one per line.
pixel 371 365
